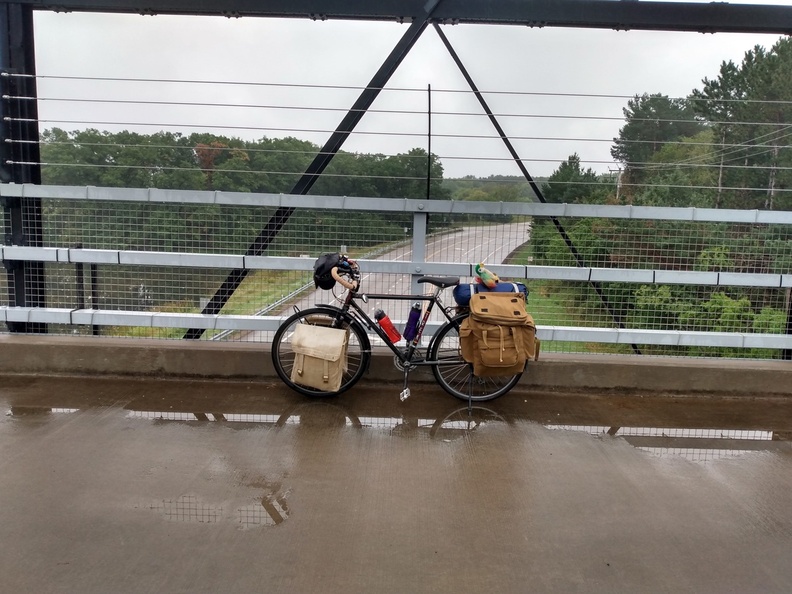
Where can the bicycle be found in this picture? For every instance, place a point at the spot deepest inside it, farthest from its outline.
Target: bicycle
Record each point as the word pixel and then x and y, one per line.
pixel 442 354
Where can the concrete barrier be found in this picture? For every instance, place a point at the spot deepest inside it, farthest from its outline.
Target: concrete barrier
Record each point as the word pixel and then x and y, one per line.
pixel 22 354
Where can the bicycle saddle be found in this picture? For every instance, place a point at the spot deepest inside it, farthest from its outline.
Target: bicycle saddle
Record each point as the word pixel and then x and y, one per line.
pixel 440 281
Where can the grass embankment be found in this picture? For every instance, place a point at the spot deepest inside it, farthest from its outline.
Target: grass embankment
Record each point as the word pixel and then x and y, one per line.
pixel 546 305
pixel 259 289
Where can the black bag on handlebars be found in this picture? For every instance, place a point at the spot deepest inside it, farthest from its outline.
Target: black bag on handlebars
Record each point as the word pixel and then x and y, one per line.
pixel 322 267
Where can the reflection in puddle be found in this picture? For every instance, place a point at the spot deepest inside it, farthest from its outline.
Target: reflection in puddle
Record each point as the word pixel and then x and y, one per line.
pixel 28 411
pixel 203 417
pixel 460 421
pixel 696 445
pixel 270 510
pixel 187 508
pixel 699 444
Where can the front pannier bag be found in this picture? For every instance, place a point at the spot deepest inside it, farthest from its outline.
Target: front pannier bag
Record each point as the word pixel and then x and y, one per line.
pixel 319 356
pixel 499 336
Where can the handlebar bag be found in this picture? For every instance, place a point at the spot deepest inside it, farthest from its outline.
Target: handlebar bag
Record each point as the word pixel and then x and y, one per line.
pixel 320 356
pixel 322 267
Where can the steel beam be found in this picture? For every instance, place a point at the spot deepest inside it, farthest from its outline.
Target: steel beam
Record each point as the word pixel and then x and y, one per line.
pixel 25 278
pixel 601 14
pixel 320 162
pixel 581 262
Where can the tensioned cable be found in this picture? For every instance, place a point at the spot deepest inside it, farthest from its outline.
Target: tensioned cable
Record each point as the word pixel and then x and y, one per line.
pixel 598 182
pixel 402 156
pixel 199 170
pixel 542 138
pixel 653 166
pixel 387 89
pixel 381 111
pixel 646 165
pixel 357 132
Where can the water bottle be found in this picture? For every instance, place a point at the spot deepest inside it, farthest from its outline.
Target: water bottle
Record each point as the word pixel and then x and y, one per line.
pixel 411 329
pixel 385 323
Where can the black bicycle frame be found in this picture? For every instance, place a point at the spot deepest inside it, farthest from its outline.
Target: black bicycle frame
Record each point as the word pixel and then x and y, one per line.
pixel 405 355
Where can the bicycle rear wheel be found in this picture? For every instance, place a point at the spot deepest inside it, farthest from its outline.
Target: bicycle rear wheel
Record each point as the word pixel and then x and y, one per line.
pixel 455 375
pixel 358 348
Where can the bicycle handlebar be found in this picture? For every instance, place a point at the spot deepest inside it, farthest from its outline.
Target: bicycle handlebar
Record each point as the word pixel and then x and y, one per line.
pixel 354 271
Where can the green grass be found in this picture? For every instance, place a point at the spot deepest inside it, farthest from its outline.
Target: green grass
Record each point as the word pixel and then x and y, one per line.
pixel 547 310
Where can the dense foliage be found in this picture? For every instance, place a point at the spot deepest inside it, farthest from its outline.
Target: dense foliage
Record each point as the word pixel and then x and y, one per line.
pixel 725 146
pixel 207 162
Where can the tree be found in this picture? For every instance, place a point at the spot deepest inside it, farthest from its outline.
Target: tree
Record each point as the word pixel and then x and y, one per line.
pixel 652 122
pixel 749 108
pixel 570 184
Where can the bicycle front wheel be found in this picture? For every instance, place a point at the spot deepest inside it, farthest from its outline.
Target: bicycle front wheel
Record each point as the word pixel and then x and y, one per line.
pixel 358 348
pixel 455 375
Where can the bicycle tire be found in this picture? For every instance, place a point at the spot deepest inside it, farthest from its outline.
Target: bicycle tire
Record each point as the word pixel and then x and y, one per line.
pixel 358 349
pixel 455 375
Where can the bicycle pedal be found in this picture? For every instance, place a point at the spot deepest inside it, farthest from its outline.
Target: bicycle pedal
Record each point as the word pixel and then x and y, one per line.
pixel 405 394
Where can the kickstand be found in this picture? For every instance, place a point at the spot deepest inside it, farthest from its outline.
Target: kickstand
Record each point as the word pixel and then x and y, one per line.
pixel 470 390
pixel 405 393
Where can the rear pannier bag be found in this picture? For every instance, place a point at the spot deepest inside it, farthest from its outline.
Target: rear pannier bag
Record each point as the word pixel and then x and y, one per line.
pixel 499 336
pixel 319 356
pixel 462 293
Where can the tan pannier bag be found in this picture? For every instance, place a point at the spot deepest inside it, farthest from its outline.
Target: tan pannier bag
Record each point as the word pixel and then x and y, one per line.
pixel 505 309
pixel 319 356
pixel 499 336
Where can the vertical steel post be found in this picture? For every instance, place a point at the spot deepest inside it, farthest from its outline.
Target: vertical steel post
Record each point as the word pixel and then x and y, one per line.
pixel 786 354
pixel 19 156
pixel 421 219
pixel 420 224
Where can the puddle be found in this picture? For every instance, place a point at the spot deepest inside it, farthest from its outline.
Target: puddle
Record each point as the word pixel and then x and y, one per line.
pixel 37 411
pixel 700 429
pixel 459 422
pixel 694 444
pixel 271 509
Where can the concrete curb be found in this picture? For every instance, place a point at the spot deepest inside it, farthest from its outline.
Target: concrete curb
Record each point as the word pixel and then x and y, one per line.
pixel 21 354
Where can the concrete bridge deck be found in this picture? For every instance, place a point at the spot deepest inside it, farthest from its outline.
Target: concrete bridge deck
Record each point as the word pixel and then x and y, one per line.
pixel 173 466
pixel 124 484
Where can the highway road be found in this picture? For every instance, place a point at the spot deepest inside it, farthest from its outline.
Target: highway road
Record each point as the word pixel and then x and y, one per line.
pixel 489 244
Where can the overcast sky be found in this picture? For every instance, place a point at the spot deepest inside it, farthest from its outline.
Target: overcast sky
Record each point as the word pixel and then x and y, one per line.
pixel 569 65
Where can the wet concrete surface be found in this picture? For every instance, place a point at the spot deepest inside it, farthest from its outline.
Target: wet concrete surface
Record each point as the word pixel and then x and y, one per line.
pixel 123 485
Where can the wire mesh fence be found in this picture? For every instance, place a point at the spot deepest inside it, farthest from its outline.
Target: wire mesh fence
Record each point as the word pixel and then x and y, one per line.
pixel 716 276
pixel 748 263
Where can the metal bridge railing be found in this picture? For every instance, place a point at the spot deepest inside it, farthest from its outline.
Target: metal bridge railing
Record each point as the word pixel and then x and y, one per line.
pixel 656 280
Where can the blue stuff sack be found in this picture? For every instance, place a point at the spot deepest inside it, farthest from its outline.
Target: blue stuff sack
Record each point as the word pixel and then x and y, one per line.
pixel 462 293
